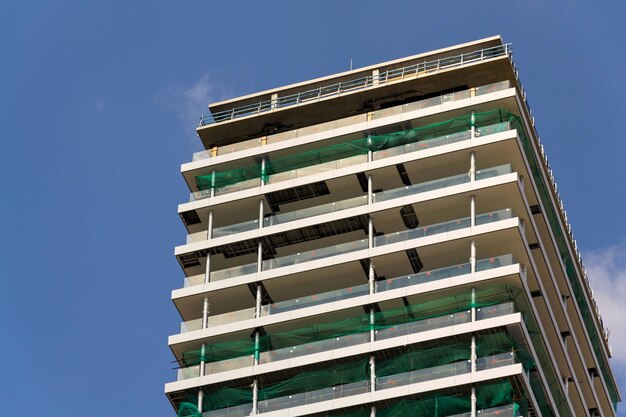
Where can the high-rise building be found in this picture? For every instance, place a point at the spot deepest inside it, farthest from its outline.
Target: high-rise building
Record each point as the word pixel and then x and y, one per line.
pixel 386 241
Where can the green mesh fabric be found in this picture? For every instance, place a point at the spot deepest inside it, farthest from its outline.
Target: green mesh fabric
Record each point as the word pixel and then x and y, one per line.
pixel 322 377
pixel 226 397
pixel 500 342
pixel 493 394
pixel 353 325
pixel 431 406
pixel 418 358
pixel 346 150
pixel 186 409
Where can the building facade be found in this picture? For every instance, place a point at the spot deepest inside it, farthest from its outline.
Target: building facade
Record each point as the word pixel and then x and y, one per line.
pixel 386 241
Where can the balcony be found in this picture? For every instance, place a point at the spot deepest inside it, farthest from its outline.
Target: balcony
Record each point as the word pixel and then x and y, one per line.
pixel 349 203
pixel 329 166
pixel 355 339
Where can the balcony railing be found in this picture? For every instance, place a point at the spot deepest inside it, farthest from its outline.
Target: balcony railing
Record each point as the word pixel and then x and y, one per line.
pixel 349 247
pixel 361 387
pixel 356 339
pixel 354 160
pixel 334 90
pixel 351 292
pixel 350 203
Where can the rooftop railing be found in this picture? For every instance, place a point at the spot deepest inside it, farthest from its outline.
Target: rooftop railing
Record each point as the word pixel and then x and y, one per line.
pixel 350 86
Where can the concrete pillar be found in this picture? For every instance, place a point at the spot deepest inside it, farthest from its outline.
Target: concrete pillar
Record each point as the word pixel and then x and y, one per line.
pixel 473 211
pixel 472 171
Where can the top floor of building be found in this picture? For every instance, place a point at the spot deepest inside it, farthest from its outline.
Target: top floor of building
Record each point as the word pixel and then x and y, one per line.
pixel 358 91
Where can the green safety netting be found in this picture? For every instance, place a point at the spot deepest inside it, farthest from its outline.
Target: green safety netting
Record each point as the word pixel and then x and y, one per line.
pixel 349 326
pixel 333 374
pixel 347 149
pixel 186 409
pixel 419 358
pixel 429 406
pixel 568 262
pixel 500 342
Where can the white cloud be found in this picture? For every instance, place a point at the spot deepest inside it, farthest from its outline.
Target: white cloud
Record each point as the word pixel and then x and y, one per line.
pixel 606 269
pixel 189 102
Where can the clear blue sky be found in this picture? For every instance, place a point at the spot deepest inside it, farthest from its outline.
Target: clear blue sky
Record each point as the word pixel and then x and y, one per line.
pixel 98 104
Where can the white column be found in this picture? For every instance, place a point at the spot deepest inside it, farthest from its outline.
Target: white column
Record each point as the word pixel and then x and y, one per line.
pixel 255 397
pixel 371 278
pixel 259 258
pixel 262 171
pixel 473 211
pixel 473 354
pixel 473 125
pixel 257 347
pixel 213 183
pixel 473 400
pixel 369 190
pixel 473 257
pixel 261 213
pixel 372 373
pixel 202 363
pixel 373 412
pixel 370 233
pixel 473 304
pixel 200 399
pixel 472 171
pixel 259 297
pixel 205 313
pixel 209 229
pixel 207 269
pixel 372 322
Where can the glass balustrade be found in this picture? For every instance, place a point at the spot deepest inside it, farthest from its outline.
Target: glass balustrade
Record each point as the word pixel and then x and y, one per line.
pixel 495 361
pixel 314 211
pixel 193 280
pixel 231 317
pixel 191 325
pixel 352 340
pixel 363 289
pixel 422 375
pixel 438 228
pixel 310 397
pixel 316 299
pixel 361 387
pixel 233 272
pixel 342 163
pixel 236 228
pixel 314 254
pixel 509 410
pixel 350 203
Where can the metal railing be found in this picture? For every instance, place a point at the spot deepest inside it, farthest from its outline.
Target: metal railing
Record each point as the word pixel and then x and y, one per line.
pixel 357 84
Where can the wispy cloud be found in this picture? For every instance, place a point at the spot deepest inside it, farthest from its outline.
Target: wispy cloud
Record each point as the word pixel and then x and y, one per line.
pixel 607 273
pixel 189 102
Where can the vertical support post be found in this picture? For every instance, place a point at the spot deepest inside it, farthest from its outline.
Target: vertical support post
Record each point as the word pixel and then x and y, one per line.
pixel 373 411
pixel 207 269
pixel 372 323
pixel 473 125
pixel 259 258
pixel 472 171
pixel 370 198
pixel 255 397
pixel 259 297
pixel 200 399
pixel 473 256
pixel 473 304
pixel 261 212
pixel 473 400
pixel 473 353
pixel 370 233
pixel 257 347
pixel 473 211
pixel 372 373
pixel 212 183
pixel 205 313
pixel 209 229
pixel 202 361
pixel 371 278
pixel 263 174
